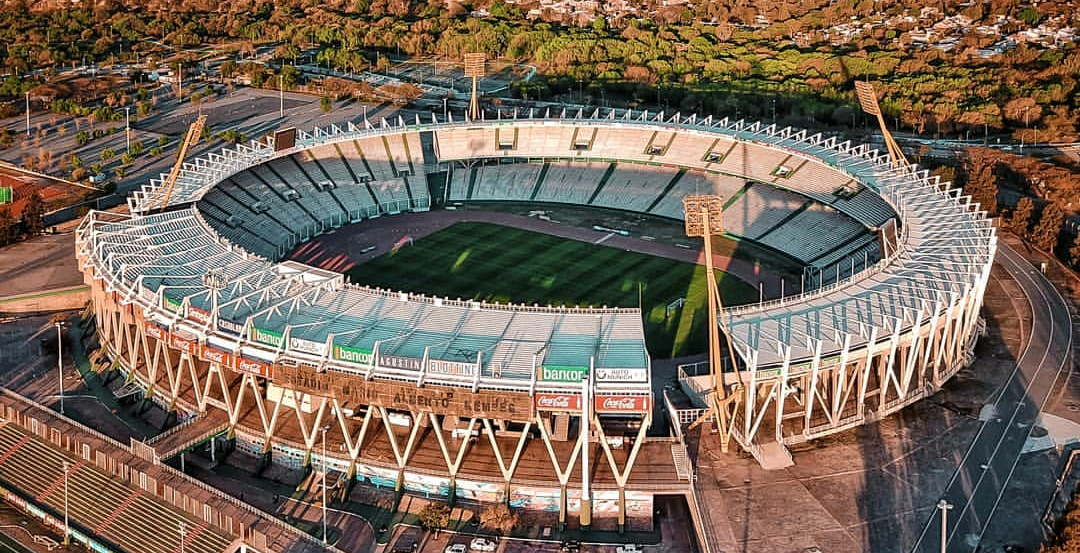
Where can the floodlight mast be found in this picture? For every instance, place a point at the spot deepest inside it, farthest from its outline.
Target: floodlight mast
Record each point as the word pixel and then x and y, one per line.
pixel 475 67
pixel 868 101
pixel 703 215
pixel 192 138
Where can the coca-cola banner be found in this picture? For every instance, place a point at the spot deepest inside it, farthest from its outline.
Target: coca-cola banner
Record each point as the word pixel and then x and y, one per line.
pixel 622 375
pixel 198 315
pixel 557 402
pixel 622 404
pixel 154 331
pixel 220 357
pixel 252 366
pixel 184 343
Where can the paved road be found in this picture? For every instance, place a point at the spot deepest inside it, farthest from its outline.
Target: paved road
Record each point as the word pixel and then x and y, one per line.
pixel 977 486
pixel 9 545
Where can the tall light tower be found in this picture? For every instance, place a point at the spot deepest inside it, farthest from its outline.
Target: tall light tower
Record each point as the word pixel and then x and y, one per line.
pixel 704 218
pixel 474 68
pixel 869 103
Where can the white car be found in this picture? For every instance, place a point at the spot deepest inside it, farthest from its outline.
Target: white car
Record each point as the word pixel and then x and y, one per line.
pixel 628 548
pixel 482 544
pixel 455 548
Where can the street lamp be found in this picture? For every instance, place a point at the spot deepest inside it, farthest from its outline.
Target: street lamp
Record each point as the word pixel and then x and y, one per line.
pixel 27 113
pixel 444 109
pixel 60 361
pixel 281 94
pixel 324 468
pixel 67 527
pixel 127 127
pixel 944 507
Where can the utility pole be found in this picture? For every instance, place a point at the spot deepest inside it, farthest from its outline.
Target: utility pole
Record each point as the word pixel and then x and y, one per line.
pixel 127 127
pixel 60 362
pixel 183 532
pixel 27 113
pixel 67 527
pixel 281 95
pixel 324 469
pixel 944 507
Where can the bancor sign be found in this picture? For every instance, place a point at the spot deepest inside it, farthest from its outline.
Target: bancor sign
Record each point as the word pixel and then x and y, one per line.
pixel 352 355
pixel 561 373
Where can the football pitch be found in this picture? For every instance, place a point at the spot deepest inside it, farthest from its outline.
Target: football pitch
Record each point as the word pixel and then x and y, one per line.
pixel 494 263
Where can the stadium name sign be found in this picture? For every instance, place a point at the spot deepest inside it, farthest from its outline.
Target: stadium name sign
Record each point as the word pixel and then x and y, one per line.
pixel 561 373
pixel 622 375
pixel 404 396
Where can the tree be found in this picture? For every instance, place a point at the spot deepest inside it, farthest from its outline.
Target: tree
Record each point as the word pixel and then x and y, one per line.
pixel 499 518
pixel 1074 252
pixel 326 103
pixel 33 215
pixel 8 230
pixel 1021 216
pixel 1046 233
pixel 434 516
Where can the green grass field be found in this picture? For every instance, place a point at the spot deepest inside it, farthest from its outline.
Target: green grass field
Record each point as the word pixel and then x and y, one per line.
pixel 495 263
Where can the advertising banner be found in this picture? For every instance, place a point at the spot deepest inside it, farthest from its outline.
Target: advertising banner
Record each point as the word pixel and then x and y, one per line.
pixel 220 357
pixel 198 315
pixel 352 355
pixel 154 331
pixel 147 295
pixel 252 366
pixel 307 346
pixel 622 375
pixel 455 368
pixel 557 402
pixel 268 337
pixel 230 327
pixel 622 404
pixel 395 362
pixel 170 304
pixel 183 343
pixel 561 373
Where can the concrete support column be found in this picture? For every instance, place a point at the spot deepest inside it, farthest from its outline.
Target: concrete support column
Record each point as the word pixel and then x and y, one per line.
pixel 562 507
pixel 622 510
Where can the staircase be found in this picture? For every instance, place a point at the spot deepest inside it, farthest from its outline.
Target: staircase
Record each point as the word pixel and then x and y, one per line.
pixel 681 461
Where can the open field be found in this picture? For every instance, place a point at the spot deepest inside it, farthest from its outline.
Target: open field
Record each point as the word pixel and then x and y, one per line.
pixel 495 263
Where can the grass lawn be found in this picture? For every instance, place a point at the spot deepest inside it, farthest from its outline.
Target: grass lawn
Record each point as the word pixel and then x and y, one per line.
pixel 495 263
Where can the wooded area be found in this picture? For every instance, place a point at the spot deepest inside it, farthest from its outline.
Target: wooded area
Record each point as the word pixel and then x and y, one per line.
pixel 673 59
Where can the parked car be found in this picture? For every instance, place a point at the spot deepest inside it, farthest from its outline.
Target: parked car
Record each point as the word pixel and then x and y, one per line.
pixel 481 544
pixel 569 546
pixel 455 548
pixel 628 548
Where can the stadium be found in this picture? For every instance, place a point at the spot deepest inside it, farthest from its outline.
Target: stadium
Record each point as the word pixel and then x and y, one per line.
pixel 547 406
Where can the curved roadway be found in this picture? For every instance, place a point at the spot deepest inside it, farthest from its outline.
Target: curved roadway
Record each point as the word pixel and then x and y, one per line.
pixel 977 486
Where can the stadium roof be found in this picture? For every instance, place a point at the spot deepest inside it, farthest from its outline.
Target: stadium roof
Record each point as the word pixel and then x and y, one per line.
pixel 944 247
